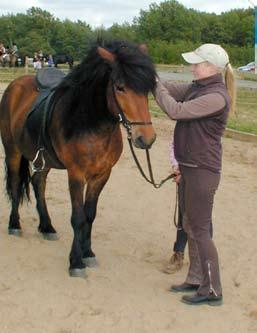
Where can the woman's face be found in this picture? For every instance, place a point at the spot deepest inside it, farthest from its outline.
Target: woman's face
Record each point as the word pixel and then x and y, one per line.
pixel 203 70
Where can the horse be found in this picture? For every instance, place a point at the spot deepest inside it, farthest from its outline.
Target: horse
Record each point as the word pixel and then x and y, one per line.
pixel 111 83
pixel 5 60
pixel 63 59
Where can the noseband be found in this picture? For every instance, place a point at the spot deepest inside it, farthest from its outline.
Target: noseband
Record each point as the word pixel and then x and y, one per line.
pixel 128 124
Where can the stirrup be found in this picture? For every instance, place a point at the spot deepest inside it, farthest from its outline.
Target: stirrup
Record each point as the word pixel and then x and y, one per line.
pixel 34 168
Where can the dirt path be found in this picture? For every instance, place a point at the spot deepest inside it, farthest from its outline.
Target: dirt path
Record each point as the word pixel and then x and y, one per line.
pixel 133 236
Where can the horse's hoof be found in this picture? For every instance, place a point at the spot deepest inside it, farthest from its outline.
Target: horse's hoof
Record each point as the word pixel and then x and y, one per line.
pixel 50 236
pixel 78 272
pixel 15 232
pixel 90 262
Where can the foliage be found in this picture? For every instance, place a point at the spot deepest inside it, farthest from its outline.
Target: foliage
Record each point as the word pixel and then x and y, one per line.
pixel 169 28
pixel 40 30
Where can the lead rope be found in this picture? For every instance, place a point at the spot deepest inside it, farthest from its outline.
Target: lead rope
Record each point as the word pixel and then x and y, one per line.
pixel 151 180
pixel 175 217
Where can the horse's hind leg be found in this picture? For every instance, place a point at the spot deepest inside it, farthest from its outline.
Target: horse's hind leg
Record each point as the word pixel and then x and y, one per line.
pixel 39 186
pixel 94 188
pixel 17 185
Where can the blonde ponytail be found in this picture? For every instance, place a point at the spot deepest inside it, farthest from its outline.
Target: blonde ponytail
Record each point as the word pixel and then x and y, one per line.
pixel 231 86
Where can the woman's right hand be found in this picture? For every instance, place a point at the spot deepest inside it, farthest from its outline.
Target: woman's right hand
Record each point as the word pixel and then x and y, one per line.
pixel 176 171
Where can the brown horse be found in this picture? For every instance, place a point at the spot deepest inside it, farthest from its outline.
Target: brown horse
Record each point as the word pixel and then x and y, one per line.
pixel 110 84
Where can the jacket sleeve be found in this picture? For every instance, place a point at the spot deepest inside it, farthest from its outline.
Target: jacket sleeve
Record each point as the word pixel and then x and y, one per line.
pixel 199 107
pixel 177 91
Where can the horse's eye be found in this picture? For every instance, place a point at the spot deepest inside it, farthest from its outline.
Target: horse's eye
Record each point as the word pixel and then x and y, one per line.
pixel 120 88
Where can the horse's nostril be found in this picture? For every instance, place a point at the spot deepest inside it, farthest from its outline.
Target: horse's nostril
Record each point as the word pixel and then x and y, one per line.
pixel 140 142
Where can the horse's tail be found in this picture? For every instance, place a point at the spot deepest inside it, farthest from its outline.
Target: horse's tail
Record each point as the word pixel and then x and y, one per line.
pixel 25 178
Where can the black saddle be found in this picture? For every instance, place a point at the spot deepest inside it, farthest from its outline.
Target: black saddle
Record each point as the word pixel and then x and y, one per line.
pixel 39 117
pixel 49 78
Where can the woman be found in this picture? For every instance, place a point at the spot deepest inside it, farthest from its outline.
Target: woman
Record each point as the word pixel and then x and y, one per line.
pixel 201 110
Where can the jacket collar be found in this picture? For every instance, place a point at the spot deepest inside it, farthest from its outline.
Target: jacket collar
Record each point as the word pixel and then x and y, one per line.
pixel 216 78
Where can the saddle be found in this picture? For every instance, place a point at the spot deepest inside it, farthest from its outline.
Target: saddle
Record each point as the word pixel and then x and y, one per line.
pixel 40 115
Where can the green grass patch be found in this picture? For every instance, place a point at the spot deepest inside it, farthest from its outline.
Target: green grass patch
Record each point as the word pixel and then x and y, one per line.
pixel 247 76
pixel 9 74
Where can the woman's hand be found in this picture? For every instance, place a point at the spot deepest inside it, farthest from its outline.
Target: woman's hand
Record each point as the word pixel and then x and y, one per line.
pixel 176 171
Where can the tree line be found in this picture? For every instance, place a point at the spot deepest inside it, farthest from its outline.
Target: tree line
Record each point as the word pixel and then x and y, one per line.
pixel 168 28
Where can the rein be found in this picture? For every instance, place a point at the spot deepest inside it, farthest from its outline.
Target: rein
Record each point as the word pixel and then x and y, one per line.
pixel 128 126
pixel 151 178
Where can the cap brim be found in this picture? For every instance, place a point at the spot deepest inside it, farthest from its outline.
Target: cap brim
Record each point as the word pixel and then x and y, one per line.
pixel 192 58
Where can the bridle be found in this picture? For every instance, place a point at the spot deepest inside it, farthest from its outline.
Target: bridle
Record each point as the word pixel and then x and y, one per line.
pixel 123 119
pixel 128 126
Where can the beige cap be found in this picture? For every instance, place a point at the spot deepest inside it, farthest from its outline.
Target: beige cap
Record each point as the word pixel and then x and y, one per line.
pixel 212 53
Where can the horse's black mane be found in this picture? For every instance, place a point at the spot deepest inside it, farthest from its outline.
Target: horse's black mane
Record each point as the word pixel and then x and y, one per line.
pixel 83 90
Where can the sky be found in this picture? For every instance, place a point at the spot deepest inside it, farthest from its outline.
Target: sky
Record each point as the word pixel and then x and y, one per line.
pixel 108 12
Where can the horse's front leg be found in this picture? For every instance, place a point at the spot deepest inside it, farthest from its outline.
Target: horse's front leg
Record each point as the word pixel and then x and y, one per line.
pixel 94 188
pixel 78 220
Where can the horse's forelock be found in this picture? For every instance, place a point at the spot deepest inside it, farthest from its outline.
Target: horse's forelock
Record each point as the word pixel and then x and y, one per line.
pixel 135 69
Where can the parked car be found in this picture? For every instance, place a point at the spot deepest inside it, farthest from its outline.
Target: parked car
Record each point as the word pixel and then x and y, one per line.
pixel 247 68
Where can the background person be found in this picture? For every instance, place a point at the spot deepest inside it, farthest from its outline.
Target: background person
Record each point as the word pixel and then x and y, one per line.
pixel 176 261
pixel 2 53
pixel 13 55
pixel 177 258
pixel 36 61
pixel 201 110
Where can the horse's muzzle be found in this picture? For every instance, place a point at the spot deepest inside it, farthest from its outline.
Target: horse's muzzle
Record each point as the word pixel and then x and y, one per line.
pixel 142 143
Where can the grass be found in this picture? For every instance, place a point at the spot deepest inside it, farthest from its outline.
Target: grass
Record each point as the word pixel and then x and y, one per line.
pixel 245 118
pixel 8 74
pixel 250 76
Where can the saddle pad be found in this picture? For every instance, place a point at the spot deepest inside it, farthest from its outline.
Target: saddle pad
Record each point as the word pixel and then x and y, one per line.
pixel 48 78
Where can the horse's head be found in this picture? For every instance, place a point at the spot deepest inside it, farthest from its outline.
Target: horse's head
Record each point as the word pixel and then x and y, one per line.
pixel 132 77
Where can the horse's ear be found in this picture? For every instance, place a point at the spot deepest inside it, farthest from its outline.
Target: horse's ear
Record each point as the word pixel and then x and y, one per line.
pixel 143 48
pixel 110 57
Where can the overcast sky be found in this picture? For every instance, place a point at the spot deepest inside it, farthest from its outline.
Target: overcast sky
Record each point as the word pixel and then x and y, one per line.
pixel 107 12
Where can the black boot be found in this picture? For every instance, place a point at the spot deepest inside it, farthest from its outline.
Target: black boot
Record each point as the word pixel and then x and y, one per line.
pixel 184 287
pixel 196 299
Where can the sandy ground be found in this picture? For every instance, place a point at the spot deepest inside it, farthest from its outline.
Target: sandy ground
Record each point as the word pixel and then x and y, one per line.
pixel 133 236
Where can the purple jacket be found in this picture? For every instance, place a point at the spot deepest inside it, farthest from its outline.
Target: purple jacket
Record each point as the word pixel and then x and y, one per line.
pixel 201 110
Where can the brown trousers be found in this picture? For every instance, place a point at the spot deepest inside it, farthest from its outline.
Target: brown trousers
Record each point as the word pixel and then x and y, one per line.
pixel 197 189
